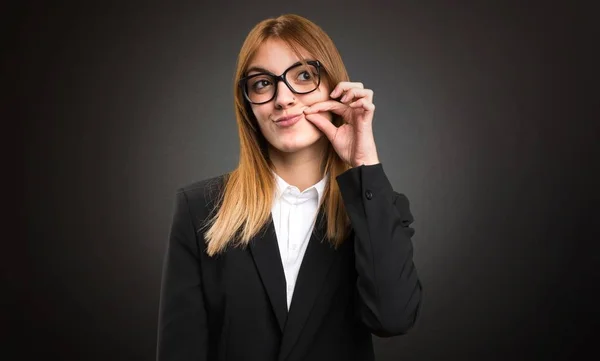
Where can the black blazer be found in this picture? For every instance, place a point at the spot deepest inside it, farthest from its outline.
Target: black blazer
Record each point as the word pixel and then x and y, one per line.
pixel 233 307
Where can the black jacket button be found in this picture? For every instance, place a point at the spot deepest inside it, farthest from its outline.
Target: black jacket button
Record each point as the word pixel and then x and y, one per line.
pixel 369 194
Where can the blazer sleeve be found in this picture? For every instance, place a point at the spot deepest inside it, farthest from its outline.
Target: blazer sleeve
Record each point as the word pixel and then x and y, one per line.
pixel 182 320
pixel 388 290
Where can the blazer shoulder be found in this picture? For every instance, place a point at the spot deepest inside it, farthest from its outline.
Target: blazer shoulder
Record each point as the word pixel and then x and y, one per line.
pixel 204 192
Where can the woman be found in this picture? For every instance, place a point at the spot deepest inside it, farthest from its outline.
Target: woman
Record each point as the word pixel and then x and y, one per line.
pixel 304 250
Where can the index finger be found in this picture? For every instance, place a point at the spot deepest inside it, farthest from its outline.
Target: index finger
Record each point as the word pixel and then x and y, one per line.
pixel 327 105
pixel 343 86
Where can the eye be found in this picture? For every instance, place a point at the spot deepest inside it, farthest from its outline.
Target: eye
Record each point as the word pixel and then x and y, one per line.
pixel 260 84
pixel 305 75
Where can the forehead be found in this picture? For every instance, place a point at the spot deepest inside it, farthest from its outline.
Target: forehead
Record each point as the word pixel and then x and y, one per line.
pixel 275 56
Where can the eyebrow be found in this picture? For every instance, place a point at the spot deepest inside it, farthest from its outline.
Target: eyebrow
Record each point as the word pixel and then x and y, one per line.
pixel 258 69
pixel 263 70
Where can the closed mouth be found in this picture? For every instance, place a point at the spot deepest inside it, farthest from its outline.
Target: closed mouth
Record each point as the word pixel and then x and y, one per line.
pixel 287 118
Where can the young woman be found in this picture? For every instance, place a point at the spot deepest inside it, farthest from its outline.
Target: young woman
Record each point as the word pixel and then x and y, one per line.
pixel 304 250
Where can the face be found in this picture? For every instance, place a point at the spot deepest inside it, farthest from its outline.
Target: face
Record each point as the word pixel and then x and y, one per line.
pixel 276 57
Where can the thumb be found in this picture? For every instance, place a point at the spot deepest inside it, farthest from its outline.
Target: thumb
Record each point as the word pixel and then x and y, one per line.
pixel 323 123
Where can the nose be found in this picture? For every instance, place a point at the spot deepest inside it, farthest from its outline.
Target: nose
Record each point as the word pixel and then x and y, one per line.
pixel 284 97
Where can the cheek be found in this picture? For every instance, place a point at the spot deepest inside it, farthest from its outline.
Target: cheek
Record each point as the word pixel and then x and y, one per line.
pixel 318 96
pixel 260 113
pixel 325 89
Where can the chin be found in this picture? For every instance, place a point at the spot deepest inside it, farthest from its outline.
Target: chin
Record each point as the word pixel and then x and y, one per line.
pixel 297 143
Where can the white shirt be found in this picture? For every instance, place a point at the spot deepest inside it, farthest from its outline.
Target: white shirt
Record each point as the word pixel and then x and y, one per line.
pixel 294 214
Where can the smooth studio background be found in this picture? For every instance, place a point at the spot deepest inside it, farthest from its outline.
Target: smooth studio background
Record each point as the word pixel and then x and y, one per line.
pixel 478 121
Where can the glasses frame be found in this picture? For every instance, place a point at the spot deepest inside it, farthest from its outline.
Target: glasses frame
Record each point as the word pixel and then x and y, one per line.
pixel 243 82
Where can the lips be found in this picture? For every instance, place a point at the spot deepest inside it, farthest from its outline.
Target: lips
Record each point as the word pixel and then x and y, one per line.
pixel 288 121
pixel 283 119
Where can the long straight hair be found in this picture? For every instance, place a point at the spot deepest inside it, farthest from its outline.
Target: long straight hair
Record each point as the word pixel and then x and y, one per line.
pixel 244 206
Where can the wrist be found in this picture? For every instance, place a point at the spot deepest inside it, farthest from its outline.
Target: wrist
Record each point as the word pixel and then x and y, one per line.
pixel 366 162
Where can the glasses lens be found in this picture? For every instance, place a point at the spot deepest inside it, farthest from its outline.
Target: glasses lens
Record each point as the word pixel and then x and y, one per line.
pixel 260 88
pixel 302 79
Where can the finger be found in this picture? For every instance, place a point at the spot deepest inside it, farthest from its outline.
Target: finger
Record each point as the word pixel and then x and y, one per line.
pixel 327 106
pixel 363 103
pixel 344 85
pixel 323 124
pixel 353 93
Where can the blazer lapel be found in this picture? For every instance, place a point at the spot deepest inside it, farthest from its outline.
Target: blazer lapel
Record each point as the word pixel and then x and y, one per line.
pixel 311 278
pixel 265 251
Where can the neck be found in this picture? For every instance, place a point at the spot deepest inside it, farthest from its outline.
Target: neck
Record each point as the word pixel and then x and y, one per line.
pixel 301 169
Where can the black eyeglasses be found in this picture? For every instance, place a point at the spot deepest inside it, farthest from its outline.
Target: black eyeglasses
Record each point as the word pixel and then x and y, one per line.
pixel 262 87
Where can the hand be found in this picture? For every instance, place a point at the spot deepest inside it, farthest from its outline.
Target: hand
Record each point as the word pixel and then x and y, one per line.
pixel 353 141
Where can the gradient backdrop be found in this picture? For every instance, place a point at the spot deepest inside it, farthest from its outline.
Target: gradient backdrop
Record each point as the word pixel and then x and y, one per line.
pixel 477 122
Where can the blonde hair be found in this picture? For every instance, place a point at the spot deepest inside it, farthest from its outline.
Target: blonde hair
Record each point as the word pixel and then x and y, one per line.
pixel 244 206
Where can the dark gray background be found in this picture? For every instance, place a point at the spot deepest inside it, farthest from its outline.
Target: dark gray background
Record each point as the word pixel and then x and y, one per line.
pixel 480 122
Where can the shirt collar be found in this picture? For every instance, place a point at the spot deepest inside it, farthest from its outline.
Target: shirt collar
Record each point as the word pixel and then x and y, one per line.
pixel 295 196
